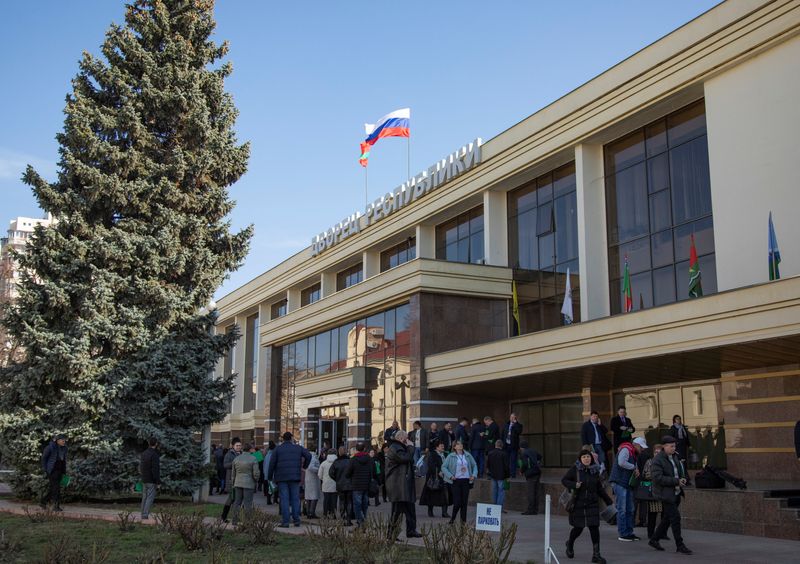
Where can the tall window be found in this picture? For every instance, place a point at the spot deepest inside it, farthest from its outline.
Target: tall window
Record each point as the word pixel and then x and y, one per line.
pixel 461 238
pixel 399 254
pixel 278 309
pixel 553 428
pixel 310 294
pixel 349 277
pixel 543 244
pixel 251 363
pixel 658 193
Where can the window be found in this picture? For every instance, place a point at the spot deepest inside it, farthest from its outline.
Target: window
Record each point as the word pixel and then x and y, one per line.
pixel 310 295
pixel 553 428
pixel 543 244
pixel 399 254
pixel 229 361
pixel 251 363
pixel 349 277
pixel 658 194
pixel 278 309
pixel 461 238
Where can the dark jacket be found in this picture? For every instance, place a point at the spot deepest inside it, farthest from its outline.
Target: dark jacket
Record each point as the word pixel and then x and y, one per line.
pixel 338 471
pixel 515 432
pixel 587 506
pixel 497 464
pixel 52 454
pixel 476 437
pixel 644 491
pixel 462 435
pixel 150 466
pixel 447 438
pixel 400 473
pixel 219 459
pixel 425 440
pixel 388 434
pixel 664 480
pixel 619 475
pixel 682 444
pixel 588 438
pixel 429 497
pixel 360 471
pixel 616 423
pixel 227 463
pixel 531 463
pixel 492 433
pixel 286 461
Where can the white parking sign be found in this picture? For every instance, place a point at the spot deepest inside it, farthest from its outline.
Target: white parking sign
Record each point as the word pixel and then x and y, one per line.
pixel 489 517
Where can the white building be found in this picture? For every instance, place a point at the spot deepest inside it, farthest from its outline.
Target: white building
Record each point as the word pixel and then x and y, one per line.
pixel 20 230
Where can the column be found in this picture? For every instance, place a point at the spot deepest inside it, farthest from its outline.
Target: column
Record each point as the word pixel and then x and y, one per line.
pixel 262 369
pixel 426 241
pixel 238 367
pixel 592 241
pixel 292 299
pixel 495 228
pixel 371 263
pixel 328 284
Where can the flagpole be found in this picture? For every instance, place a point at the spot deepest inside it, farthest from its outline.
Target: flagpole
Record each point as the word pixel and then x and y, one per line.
pixel 366 188
pixel 408 157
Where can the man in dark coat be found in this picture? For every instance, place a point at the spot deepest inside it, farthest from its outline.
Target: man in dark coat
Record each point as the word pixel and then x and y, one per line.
pixel 54 464
pixel 284 469
pixel 400 481
pixel 421 439
pixel 462 433
pixel 511 433
pixel 360 471
pixel 499 472
pixel 150 470
pixel 447 437
pixel 682 440
pixel 233 452
pixel 219 463
pixel 621 427
pixel 344 489
pixel 389 433
pixel 532 470
pixel 669 477
pixel 595 433
pixel 476 446
pixel 491 434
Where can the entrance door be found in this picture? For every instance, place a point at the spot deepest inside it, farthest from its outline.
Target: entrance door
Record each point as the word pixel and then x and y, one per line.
pixel 332 432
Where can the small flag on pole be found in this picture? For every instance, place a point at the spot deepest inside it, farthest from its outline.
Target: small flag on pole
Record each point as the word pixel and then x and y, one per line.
pixel 626 288
pixel 363 160
pixel 695 286
pixel 566 309
pixel 515 307
pixel 774 253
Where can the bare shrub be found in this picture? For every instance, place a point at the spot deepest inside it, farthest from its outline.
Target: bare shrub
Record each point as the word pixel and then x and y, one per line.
pixel 125 521
pixel 41 515
pixel 460 543
pixel 63 549
pixel 371 543
pixel 259 526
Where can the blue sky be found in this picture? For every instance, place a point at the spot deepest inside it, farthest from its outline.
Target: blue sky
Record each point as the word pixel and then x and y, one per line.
pixel 308 74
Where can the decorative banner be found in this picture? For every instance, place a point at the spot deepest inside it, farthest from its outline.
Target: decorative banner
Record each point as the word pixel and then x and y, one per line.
pixel 489 517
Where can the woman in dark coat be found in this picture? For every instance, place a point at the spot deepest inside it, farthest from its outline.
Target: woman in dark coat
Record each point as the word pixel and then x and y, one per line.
pixel 583 479
pixel 440 497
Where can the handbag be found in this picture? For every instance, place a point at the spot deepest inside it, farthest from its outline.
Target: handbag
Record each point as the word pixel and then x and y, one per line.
pixel 567 500
pixel 506 484
pixel 65 480
pixel 374 488
pixel 633 482
pixel 434 483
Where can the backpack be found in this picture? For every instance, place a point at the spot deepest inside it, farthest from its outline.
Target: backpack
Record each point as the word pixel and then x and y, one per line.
pixel 708 479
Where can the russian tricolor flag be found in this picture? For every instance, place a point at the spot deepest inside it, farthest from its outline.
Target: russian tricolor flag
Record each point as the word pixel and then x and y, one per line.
pixel 395 124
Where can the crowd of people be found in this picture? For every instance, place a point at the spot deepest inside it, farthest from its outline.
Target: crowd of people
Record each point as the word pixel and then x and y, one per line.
pixel 645 481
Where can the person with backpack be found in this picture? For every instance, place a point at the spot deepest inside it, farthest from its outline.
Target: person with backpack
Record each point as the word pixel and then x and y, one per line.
pixel 328 484
pixel 531 467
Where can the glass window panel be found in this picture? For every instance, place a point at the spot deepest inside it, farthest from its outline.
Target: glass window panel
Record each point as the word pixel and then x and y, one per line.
pixel 345 332
pixel 552 450
pixel 463 251
pixel 691 186
pixel 662 248
pixel 476 220
pixel 334 337
pixel 564 180
pixel 323 352
pixel 638 253
pixel 642 291
pixel 527 247
pixel 708 273
pixel 451 232
pixel 551 417
pixel 522 199
pixel 570 447
pixel 656 138
pixel 617 300
pixel 476 247
pixel 301 356
pixel 388 326
pixel 566 227
pixel 670 402
pixel 626 152
pixel 664 285
pixel 660 211
pixel 628 204
pixel 535 418
pixel 451 252
pixel 544 193
pixel 463 228
pixel 545 218
pixel 571 417
pixel 546 251
pixel 402 324
pixel 658 173
pixel 703 238
pixel 682 280
pixel 687 124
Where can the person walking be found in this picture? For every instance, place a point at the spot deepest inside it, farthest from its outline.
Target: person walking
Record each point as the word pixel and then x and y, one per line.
pixel 498 466
pixel 649 507
pixel 400 485
pixel 329 494
pixel 269 487
pixel 511 436
pixel 381 456
pixel 219 464
pixel 669 477
pixel 338 472
pixel 284 469
pixel 462 432
pixel 312 486
pixel 476 446
pixel 594 433
pixel 54 464
pixel 244 475
pixel 583 480
pixel 230 456
pixel 531 466
pixel 421 439
pixel 682 440
pixel 459 470
pixel 435 492
pixel 360 472
pixel 621 473
pixel 621 427
pixel 376 464
pixel 150 475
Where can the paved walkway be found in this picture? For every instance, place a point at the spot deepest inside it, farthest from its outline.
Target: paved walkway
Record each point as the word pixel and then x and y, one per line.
pixel 707 546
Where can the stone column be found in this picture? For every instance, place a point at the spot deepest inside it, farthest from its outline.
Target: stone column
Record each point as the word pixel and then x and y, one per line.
pixel 327 284
pixel 292 299
pixel 426 241
pixel 495 228
pixel 371 264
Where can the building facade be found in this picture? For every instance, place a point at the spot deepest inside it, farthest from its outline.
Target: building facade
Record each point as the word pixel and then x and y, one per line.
pixel 404 311
pixel 20 230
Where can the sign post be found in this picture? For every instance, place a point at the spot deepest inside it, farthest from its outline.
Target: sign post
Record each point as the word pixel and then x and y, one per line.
pixel 489 517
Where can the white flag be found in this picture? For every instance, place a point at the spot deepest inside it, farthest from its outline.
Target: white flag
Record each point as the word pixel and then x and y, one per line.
pixel 566 309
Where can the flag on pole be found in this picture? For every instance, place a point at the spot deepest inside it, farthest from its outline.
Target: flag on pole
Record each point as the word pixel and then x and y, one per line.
pixel 515 307
pixel 695 286
pixel 626 288
pixel 566 308
pixel 774 253
pixel 394 124
pixel 363 160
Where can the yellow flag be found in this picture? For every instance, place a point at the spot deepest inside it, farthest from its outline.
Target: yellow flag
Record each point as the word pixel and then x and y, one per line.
pixel 515 308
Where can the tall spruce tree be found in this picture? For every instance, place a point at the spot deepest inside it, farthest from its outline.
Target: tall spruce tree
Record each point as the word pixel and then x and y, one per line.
pixel 116 350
